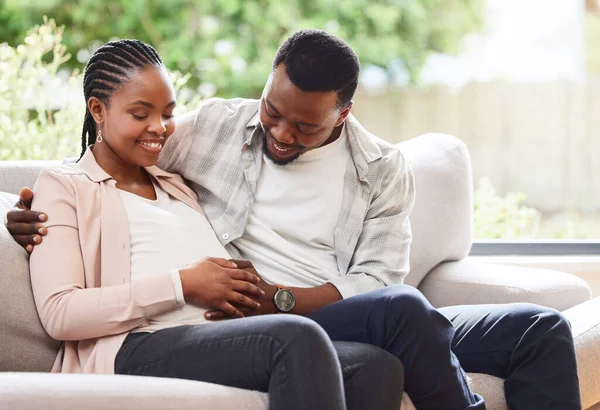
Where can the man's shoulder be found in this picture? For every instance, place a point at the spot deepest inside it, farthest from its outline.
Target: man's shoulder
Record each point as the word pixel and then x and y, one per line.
pixel 219 108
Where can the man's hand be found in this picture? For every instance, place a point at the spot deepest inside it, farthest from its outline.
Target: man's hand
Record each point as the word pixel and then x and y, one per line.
pixel 23 223
pixel 307 299
pixel 265 301
pixel 220 284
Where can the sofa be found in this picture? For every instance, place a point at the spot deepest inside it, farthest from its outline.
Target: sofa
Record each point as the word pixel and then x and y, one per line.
pixel 440 269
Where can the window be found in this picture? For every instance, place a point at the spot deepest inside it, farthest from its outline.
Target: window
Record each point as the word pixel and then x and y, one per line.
pixel 524 94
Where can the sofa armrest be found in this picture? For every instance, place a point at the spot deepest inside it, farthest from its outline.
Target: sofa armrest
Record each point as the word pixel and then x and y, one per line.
pixel 585 324
pixel 49 391
pixel 442 218
pixel 469 282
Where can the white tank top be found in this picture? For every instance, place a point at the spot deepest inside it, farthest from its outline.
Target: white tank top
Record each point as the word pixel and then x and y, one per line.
pixel 166 234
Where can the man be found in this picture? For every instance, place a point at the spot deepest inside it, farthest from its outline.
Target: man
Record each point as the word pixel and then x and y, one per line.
pixel 295 185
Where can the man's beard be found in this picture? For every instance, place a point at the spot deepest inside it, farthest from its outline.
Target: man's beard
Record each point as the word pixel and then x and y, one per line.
pixel 268 153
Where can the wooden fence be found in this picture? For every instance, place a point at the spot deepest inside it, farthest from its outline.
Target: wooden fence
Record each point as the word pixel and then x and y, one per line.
pixel 540 139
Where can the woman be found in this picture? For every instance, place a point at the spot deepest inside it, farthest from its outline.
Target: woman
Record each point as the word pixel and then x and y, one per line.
pixel 114 271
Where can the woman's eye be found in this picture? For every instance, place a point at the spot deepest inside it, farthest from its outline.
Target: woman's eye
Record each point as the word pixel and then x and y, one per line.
pixel 139 117
pixel 168 117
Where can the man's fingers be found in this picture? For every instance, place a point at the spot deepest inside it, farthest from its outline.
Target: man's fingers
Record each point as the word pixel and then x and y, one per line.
pixel 25 240
pixel 216 315
pixel 228 309
pixel 25 197
pixel 239 274
pixel 25 228
pixel 26 216
pixel 248 288
pixel 242 264
pixel 242 300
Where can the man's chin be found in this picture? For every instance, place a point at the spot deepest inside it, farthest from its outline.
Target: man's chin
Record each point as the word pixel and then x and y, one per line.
pixel 276 160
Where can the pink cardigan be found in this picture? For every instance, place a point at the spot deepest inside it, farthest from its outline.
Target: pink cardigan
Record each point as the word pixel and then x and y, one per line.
pixel 80 273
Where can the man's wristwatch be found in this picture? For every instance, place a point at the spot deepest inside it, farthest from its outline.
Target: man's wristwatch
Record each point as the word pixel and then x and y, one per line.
pixel 284 299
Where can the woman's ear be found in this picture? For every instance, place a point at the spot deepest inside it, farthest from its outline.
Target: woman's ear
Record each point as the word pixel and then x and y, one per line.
pixel 97 109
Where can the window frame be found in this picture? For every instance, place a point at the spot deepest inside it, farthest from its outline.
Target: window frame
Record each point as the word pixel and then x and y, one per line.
pixel 528 247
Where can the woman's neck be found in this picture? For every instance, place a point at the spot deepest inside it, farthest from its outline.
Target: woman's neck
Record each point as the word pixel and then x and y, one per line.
pixel 124 173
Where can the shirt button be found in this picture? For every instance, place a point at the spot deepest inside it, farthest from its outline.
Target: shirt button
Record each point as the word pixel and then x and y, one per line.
pixel 225 236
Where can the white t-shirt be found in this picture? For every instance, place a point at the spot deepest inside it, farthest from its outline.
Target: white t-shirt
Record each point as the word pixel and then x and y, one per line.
pixel 290 233
pixel 166 234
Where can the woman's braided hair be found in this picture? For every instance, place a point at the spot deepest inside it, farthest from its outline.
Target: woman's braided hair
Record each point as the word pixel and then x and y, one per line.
pixel 110 65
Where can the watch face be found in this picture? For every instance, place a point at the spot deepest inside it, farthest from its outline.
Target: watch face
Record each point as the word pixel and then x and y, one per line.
pixel 284 300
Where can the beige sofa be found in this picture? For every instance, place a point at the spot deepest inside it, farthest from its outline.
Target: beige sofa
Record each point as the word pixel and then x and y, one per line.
pixel 442 226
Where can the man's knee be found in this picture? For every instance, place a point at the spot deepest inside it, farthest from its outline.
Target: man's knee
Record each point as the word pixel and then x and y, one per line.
pixel 548 318
pixel 404 299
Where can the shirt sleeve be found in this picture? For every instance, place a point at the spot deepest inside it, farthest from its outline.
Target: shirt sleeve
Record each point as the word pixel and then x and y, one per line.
pixel 177 285
pixel 69 310
pixel 178 144
pixel 382 253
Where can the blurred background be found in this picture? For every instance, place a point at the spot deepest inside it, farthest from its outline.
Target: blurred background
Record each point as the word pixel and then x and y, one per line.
pixel 517 80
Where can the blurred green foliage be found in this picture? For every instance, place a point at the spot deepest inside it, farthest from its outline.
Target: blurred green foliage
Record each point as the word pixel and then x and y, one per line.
pixel 41 112
pixel 507 217
pixel 228 45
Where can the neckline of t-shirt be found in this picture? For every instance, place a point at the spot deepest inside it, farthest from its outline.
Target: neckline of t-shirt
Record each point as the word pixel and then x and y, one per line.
pixel 318 153
pixel 157 190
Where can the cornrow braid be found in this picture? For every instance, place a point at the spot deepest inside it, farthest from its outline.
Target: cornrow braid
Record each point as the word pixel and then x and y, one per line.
pixel 108 68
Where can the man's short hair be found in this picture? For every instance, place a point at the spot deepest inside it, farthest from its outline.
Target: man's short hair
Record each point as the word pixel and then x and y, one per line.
pixel 318 61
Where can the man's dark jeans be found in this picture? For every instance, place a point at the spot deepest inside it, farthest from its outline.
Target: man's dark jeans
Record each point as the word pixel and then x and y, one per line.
pixel 529 346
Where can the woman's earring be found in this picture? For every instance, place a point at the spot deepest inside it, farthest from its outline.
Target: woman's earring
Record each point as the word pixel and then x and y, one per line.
pixel 99 137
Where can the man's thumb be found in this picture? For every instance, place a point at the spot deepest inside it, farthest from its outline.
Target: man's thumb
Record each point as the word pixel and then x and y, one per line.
pixel 26 195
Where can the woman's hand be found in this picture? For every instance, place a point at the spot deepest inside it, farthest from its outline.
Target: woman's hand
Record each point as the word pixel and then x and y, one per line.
pixel 219 283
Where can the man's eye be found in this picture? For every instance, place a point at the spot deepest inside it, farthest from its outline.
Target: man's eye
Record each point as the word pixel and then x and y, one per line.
pixel 307 132
pixel 269 112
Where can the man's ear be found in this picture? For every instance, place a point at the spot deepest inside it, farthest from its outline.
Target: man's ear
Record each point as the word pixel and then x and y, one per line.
pixel 97 108
pixel 344 114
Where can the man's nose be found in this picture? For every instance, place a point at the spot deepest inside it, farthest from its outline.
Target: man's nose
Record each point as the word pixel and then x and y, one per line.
pixel 283 134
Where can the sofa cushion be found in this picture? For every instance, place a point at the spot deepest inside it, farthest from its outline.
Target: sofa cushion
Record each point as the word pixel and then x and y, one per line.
pixel 24 345
pixel 24 391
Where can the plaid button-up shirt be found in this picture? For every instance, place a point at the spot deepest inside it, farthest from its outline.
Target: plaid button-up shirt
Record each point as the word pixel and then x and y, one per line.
pixel 218 149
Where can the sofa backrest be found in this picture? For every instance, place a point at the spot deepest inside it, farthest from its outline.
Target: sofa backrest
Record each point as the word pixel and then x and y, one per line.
pixel 17 174
pixel 441 225
pixel 442 219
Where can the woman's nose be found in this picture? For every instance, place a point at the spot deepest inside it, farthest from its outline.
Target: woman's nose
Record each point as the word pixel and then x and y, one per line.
pixel 158 127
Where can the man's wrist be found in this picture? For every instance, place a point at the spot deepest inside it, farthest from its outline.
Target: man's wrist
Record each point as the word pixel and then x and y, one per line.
pixel 269 295
pixel 284 299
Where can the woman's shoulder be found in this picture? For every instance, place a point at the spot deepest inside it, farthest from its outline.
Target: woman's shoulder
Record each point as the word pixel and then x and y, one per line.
pixel 69 176
pixel 66 171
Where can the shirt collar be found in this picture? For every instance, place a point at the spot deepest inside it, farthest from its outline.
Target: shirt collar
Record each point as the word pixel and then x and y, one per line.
pixel 257 128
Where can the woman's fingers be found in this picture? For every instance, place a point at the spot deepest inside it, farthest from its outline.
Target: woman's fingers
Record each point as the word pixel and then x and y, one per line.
pixel 224 263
